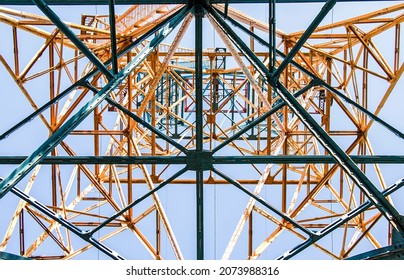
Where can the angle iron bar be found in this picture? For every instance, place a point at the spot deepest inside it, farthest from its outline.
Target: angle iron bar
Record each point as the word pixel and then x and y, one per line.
pixel 337 223
pixel 304 159
pixel 112 30
pixel 272 35
pixel 263 117
pixel 321 81
pixel 199 189
pixel 137 201
pixel 56 217
pixel 146 124
pixel 306 35
pixel 263 202
pixel 73 38
pixel 139 120
pixel 198 14
pixel 67 160
pixel 49 232
pixel 75 120
pixel 279 159
pixel 84 80
pixel 345 162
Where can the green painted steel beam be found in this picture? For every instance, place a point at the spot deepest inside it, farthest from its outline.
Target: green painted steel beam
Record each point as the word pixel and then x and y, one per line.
pixel 305 36
pixel 344 161
pixel 147 125
pixel 73 38
pixel 319 81
pixel 137 201
pixel 272 35
pixel 392 252
pixel 263 202
pixel 8 256
pixel 72 160
pixel 200 239
pixel 112 27
pixel 339 222
pixel 305 159
pixel 84 80
pixel 203 160
pixel 58 136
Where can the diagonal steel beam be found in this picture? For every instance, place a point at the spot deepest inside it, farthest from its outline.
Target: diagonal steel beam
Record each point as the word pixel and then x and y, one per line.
pixel 263 202
pixel 84 80
pixel 38 155
pixel 321 82
pixel 64 222
pixel 345 162
pixel 338 222
pixel 73 38
pixel 263 117
pixel 137 201
pixel 182 160
pixel 147 125
pixel 302 40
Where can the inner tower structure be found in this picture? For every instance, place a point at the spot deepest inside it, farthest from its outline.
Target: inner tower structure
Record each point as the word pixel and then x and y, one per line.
pixel 198 130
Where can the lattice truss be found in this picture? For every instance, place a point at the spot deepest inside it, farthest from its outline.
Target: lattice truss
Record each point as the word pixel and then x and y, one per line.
pixel 143 148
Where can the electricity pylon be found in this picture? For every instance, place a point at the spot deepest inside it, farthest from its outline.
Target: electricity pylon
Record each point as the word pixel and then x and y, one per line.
pixel 264 145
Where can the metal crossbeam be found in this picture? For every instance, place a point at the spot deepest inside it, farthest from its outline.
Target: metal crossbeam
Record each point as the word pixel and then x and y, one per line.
pixel 162 160
pixel 318 132
pixel 36 157
pixel 75 40
pixel 84 80
pixel 199 156
pixel 74 229
pixel 319 82
pixel 302 40
pixel 340 221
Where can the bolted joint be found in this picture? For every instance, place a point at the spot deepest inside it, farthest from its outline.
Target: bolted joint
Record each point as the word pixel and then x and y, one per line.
pixel 199 160
pixel 198 6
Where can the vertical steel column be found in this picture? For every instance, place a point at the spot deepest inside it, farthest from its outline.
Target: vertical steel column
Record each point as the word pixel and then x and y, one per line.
pixel 199 129
pixel 272 35
pixel 112 30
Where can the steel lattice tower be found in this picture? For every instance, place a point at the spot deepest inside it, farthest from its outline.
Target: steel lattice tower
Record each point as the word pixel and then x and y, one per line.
pixel 135 143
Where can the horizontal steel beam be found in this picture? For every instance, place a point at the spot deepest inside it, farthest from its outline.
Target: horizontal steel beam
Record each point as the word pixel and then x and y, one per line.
pixel 58 136
pixel 339 222
pixel 131 2
pixel 281 159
